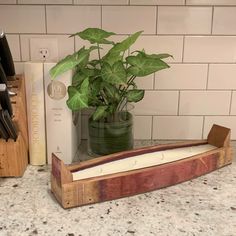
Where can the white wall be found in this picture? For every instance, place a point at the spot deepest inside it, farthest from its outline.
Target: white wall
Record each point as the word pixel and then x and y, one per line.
pixel 180 103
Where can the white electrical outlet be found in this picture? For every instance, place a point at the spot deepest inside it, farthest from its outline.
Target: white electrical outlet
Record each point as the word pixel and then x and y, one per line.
pixel 44 49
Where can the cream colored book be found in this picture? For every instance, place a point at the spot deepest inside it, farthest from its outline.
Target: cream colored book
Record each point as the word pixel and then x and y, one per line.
pixel 34 85
pixel 63 127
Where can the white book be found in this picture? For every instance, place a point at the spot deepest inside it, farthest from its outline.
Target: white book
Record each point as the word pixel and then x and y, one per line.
pixel 34 85
pixel 62 127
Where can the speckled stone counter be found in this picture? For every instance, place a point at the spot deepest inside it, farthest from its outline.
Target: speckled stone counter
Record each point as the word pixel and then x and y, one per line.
pixel 203 206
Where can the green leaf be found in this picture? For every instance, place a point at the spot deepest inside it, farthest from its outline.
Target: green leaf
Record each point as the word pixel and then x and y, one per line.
pixel 115 74
pixel 78 78
pixel 95 35
pixel 135 95
pixel 143 66
pixel 100 112
pixel 154 56
pixel 78 98
pixel 113 54
pixel 111 91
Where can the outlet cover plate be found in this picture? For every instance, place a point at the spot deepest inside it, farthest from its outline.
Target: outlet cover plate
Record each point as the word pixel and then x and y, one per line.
pixel 51 44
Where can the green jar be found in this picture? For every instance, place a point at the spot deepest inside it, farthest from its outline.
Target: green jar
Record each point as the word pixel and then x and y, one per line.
pixel 112 135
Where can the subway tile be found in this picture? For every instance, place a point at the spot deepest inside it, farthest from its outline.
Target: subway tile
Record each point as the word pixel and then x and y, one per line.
pixel 182 76
pixel 210 49
pixel 226 121
pixel 101 2
pixel 210 2
pixel 184 20
pixel 233 104
pixel 222 76
pixel 204 102
pixel 157 2
pixel 126 19
pixel 71 19
pixel 45 1
pixel 19 67
pixel 65 45
pixel 223 20
pixel 161 44
pixel 14 44
pixel 142 127
pixel 145 82
pixel 157 103
pixel 177 127
pixel 7 1
pixel 22 19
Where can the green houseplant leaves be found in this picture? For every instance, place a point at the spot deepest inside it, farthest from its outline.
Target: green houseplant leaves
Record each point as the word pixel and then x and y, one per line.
pixel 107 83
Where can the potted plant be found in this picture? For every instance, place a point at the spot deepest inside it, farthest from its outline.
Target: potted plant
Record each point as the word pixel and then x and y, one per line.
pixel 108 85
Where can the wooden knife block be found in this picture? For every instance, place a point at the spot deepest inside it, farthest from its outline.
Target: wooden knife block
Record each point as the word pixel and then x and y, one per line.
pixel 14 154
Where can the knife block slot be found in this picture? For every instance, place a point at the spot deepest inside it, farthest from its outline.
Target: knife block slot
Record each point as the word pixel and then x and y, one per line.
pixel 14 154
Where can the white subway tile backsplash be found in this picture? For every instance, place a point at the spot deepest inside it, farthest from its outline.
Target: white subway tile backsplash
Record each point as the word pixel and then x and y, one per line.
pixel 210 49
pixel 227 121
pixel 177 127
pixel 157 2
pixel 233 104
pixel 182 76
pixel 19 67
pixel 127 19
pixel 204 102
pixel 22 19
pixel 222 76
pixel 161 44
pixel 142 127
pixel 71 19
pixel 210 2
pixel 158 103
pixel 65 45
pixel 223 18
pixel 101 2
pixel 184 20
pixel 45 1
pixel 7 1
pixel 14 44
pixel 145 82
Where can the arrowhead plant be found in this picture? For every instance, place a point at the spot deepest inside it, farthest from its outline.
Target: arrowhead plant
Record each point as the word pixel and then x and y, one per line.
pixel 107 83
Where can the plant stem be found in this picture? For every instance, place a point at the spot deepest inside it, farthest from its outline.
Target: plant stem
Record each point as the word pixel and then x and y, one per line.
pixel 131 79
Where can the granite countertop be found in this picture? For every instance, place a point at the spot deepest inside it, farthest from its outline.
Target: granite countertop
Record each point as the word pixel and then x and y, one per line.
pixel 204 206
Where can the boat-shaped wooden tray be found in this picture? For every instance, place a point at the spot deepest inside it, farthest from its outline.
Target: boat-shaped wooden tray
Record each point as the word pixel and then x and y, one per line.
pixel 141 170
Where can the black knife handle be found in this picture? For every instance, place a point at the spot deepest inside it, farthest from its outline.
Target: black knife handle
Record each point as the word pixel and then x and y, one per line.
pixel 5 99
pixel 5 55
pixel 8 124
pixel 3 132
pixel 3 78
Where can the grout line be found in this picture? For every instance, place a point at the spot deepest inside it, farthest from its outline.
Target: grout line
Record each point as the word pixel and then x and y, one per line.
pixel 45 11
pixel 203 126
pixel 183 49
pixel 184 115
pixel 156 18
pixel 101 18
pixel 212 19
pixel 178 103
pixel 154 82
pixel 230 104
pixel 152 128
pixel 20 47
pixel 208 72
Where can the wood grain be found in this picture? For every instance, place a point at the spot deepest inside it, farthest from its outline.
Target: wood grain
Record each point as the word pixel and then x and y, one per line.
pixel 103 188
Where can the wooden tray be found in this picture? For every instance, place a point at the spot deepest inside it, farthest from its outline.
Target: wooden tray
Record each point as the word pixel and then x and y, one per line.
pixel 71 193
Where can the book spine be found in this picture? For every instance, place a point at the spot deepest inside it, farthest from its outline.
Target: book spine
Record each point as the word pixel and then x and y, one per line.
pixel 36 112
pixel 62 134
